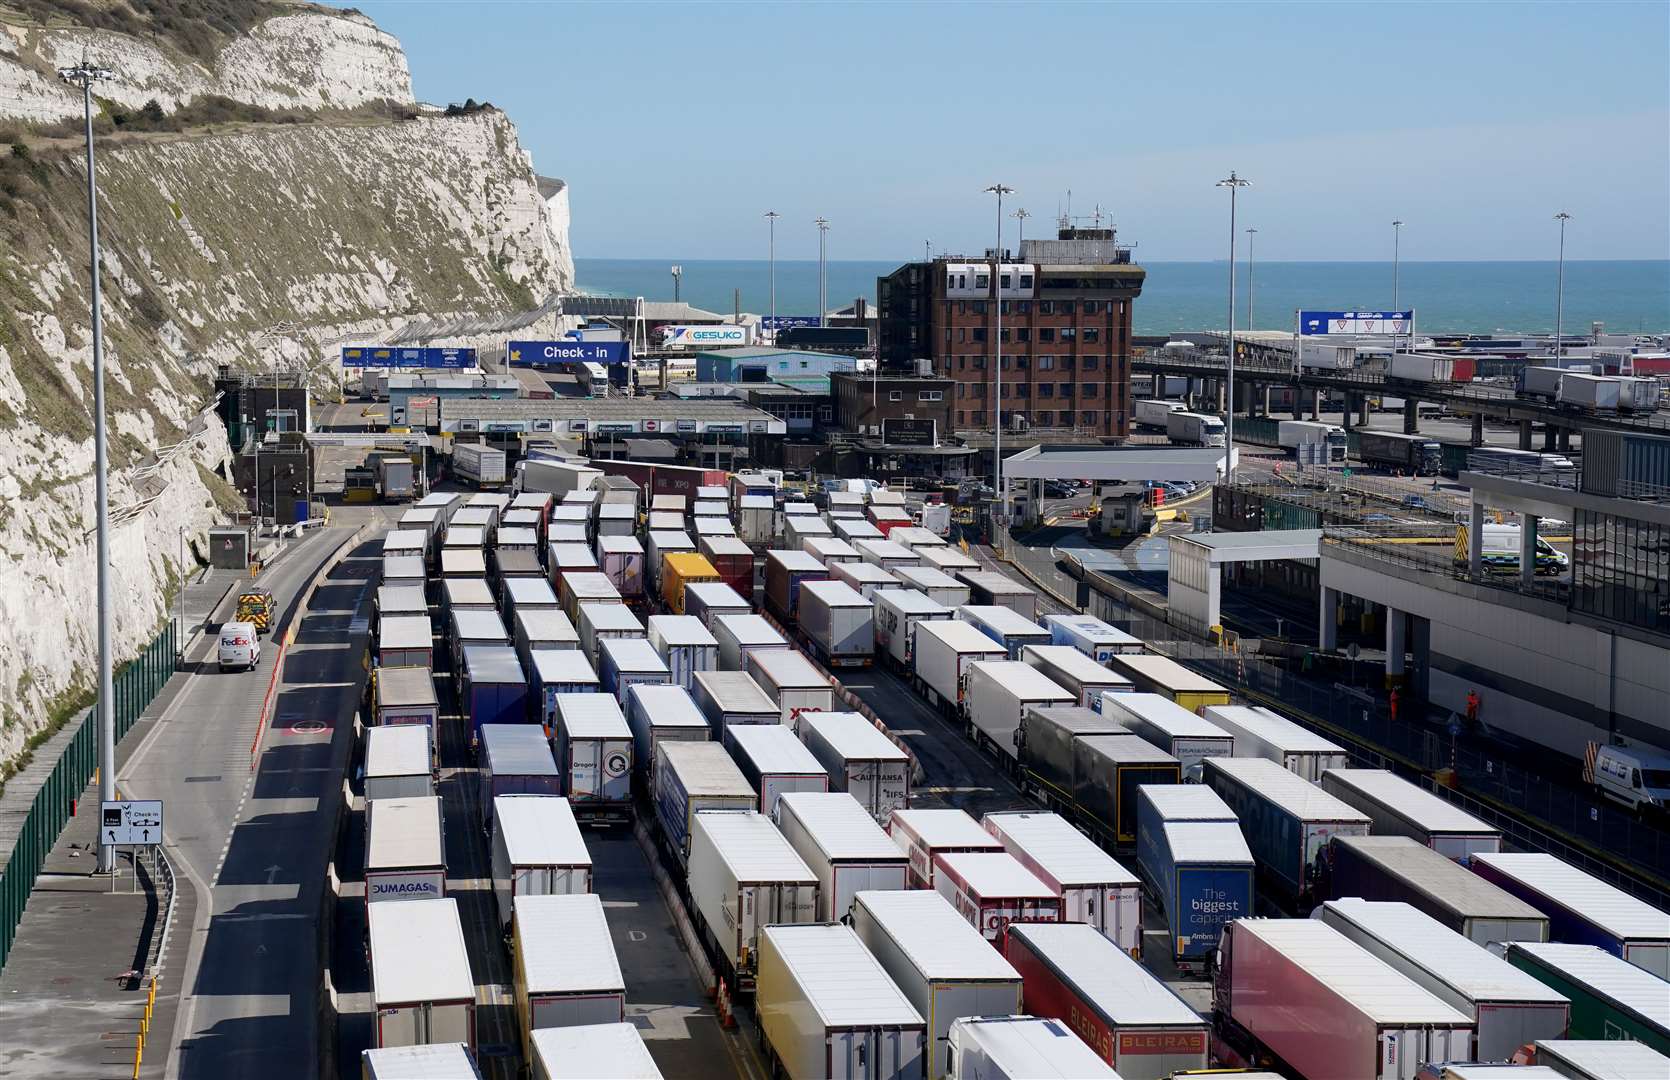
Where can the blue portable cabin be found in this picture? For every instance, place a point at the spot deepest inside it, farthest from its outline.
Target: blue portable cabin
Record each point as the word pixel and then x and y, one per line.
pixel 494 689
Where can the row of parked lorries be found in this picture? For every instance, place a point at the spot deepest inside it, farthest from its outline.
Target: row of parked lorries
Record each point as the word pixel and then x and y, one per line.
pixel 755 820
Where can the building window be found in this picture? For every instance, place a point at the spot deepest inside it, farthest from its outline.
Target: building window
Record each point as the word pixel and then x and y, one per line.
pixel 1087 390
pixel 1064 308
pixel 1066 363
pixel 1003 282
pixel 962 389
pixel 1025 306
pixel 1089 416
pixel 962 335
pixel 979 416
pixel 930 395
pixel 1023 333
pixel 1026 281
pixel 895 395
pixel 1091 333
pixel 1066 417
pixel 962 363
pixel 1045 363
pixel 1046 307
pixel 1068 333
pixel 1003 335
pixel 977 334
pixel 1066 389
pixel 962 307
pixel 1046 390
pixel 1022 390
pixel 980 363
pixel 1090 307
pixel 961 417
pixel 982 281
pixel 1090 363
pixel 979 307
pixel 947 335
pixel 1005 391
pixel 1021 363
pixel 1046 334
pixel 826 413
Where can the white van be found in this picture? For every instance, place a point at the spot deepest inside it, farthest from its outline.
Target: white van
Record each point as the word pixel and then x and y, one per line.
pixel 1633 777
pixel 240 646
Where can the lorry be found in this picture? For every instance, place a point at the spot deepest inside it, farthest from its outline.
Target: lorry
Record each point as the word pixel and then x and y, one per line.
pixel 537 851
pixel 945 651
pixel 402 641
pixel 733 697
pixel 657 713
pixel 1399 808
pixel 860 760
pixel 1200 868
pixel 593 748
pixel 1189 738
pixel 1005 626
pixel 494 689
pixel 894 616
pixel 707 600
pixel 405 695
pixel 1404 869
pixel 1107 771
pixel 865 578
pixel 1597 1059
pixel 627 661
pixel 1582 908
pixel 838 622
pixel 1288 822
pixel 588 1051
pixel 1610 998
pixel 1019 1048
pixel 923 835
pixel 799 530
pixel 1194 429
pixel 660 544
pixel 740 635
pixel 622 561
pixel 551 477
pixel 1607 393
pixel 545 629
pixel 1046 747
pixel 757 519
pixel 1261 733
pixel 1093 887
pixel 418 1062
pixel 1090 636
pixel 1150 673
pixel 1075 672
pixel 399 762
pixel 742 876
pixel 691 777
pixel 991 889
pixel 996 697
pixel 481 465
pixel 1295 434
pixel 785 572
pixel 515 759
pixel 602 622
pixel 1380 1025
pixel 886 554
pixel 1508 1007
pixel 1155 414
pixel 1416 455
pixel 732 558
pixel 685 645
pixel 940 963
pixel 404 859
pixel 988 589
pixel 936 584
pixel 1421 368
pixel 791 680
pixel 1132 1020
pixel 774 761
pixel 828 1011
pixel 421 987
pixel 843 845
pixel 679 569
pixel 565 970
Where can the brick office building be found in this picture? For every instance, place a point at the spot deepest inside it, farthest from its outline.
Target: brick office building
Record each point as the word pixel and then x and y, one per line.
pixel 1066 333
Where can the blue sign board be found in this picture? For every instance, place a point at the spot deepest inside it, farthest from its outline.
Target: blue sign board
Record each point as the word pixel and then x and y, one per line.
pixel 786 322
pixel 388 356
pixel 550 353
pixel 1356 322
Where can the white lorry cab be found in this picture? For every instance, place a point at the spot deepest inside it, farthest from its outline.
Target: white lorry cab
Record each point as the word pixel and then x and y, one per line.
pixel 240 646
pixel 1635 778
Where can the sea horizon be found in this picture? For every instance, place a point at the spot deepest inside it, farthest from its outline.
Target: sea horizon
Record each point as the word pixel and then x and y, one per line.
pixel 1448 296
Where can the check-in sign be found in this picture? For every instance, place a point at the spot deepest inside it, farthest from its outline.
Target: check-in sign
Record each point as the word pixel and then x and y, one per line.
pixel 130 821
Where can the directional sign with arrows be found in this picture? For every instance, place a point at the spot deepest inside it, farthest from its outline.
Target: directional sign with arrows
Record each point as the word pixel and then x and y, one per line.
pixel 130 821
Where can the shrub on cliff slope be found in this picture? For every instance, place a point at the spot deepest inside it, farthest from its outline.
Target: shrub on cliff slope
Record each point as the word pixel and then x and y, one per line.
pixel 197 28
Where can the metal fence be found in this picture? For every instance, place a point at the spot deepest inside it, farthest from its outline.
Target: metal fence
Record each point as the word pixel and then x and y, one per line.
pixel 135 686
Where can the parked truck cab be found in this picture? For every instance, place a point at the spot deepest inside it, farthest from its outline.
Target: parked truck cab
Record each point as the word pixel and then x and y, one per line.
pixel 1632 777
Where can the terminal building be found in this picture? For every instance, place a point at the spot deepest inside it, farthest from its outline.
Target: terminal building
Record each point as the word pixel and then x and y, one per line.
pixel 1066 334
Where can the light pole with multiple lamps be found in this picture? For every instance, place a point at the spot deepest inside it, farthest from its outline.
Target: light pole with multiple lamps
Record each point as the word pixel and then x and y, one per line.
pixel 771 217
pixel 678 275
pixel 1250 234
pixel 1397 244
pixel 1560 290
pixel 823 282
pixel 1232 182
pixel 1020 215
pixel 1001 489
pixel 85 75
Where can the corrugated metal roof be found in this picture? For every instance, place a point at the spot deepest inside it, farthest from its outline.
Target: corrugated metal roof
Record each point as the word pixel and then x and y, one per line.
pixel 712 593
pixel 1432 813
pixel 825 548
pixel 593 1052
pixel 1346 968
pixel 752 847
pixel 397 750
pixel 960 636
pixel 938 941
pixel 842 981
pixel 852 736
pixel 908 601
pixel 515 536
pixel 796 560
pixel 1167 672
pixel 1118 986
pixel 396 599
pixel 735 691
pixel 619 545
pixel 539 830
pixel 462 535
pixel 839 825
pixel 587 585
pixel 1068 856
pixel 1468 968
pixel 1076 665
pixel 1022 680
pixel 563 945
pixel 418 953
pixel 928 577
pixel 474 625
pixel 1293 793
pixel 456 562
pixel 530 592
pixel 516 750
pixel 403 833
pixel 1615 910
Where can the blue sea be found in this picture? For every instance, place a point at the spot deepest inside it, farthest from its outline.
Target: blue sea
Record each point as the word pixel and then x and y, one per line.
pixel 1448 297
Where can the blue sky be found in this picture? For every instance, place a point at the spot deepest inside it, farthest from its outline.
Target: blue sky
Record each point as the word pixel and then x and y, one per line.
pixel 678 125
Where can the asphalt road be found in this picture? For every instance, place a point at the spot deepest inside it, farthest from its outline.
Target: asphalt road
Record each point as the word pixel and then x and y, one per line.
pixel 249 842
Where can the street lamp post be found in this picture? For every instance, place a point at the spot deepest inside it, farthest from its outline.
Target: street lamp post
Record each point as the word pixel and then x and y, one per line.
pixel 771 217
pixel 677 272
pixel 1020 215
pixel 1002 489
pixel 823 282
pixel 1397 243
pixel 1560 290
pixel 1232 182
pixel 84 75
pixel 1250 234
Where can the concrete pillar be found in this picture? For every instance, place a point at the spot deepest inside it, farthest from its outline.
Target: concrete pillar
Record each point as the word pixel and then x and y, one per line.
pixel 1345 416
pixel 1327 638
pixel 1478 430
pixel 1220 391
pixel 1397 643
pixel 1299 396
pixel 1316 404
pixel 1264 400
pixel 1549 434
pixel 1362 411
pixel 1475 539
pixel 1411 417
pixel 1525 434
pixel 1565 439
pixel 1527 548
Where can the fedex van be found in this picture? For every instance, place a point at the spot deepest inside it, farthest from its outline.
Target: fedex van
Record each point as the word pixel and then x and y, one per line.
pixel 240 646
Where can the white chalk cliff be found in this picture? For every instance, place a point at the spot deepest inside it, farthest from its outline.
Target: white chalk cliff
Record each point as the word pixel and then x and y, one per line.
pixel 348 225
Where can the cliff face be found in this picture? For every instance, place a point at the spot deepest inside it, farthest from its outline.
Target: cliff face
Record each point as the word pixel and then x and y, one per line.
pixel 349 226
